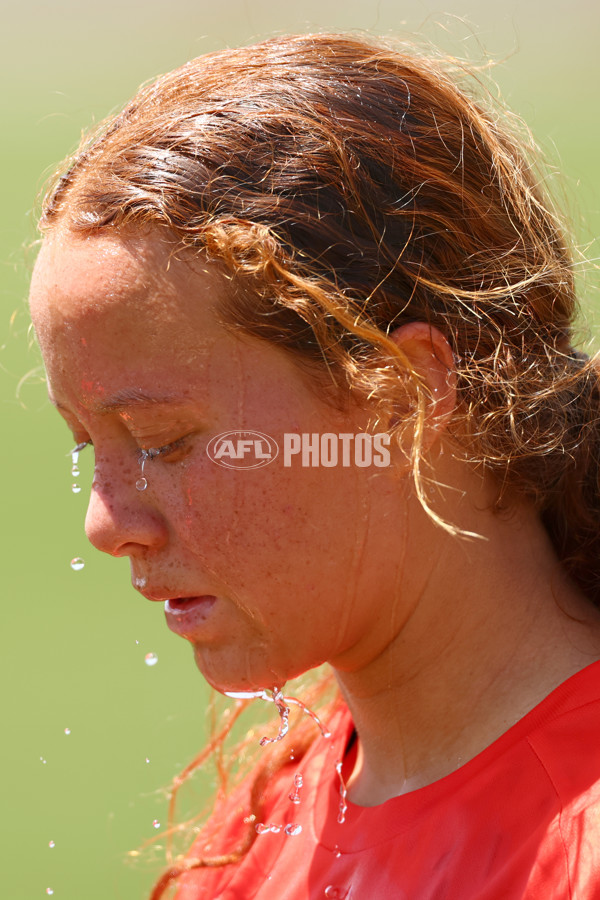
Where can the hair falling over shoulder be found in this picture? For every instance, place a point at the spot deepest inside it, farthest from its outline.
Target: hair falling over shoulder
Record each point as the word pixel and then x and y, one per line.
pixel 348 187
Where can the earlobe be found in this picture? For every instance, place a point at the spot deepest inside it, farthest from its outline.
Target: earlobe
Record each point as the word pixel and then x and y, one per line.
pixel 430 356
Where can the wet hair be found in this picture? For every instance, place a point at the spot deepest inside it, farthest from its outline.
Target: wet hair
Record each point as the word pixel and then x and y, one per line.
pixel 346 188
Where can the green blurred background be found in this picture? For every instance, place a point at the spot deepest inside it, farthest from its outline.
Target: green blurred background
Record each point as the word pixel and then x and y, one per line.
pixel 74 642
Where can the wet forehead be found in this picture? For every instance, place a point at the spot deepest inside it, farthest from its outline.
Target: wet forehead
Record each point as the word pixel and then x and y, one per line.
pixel 76 275
pixel 109 312
pixel 111 270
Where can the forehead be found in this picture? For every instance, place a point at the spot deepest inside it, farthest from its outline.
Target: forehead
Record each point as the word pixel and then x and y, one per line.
pixel 84 276
pixel 118 314
pixel 114 312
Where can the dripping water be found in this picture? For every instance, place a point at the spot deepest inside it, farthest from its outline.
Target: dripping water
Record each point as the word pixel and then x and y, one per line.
pixel 282 703
pixel 322 728
pixel 343 794
pixel 74 454
pixel 142 482
pixel 294 795
pixel 291 830
pixel 284 715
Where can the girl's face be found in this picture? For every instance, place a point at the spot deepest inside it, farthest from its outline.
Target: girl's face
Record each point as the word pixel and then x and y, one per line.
pixel 268 571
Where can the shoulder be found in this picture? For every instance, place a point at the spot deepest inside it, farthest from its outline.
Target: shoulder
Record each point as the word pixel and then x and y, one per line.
pixel 564 737
pixel 567 749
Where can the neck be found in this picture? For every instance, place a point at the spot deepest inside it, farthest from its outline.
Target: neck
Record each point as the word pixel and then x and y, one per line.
pixel 494 626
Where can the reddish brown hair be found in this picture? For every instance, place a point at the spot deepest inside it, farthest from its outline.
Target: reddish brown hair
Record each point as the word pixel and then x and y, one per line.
pixel 350 188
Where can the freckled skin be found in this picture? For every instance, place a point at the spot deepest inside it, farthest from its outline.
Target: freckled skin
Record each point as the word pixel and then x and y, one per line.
pixel 303 561
pixel 438 643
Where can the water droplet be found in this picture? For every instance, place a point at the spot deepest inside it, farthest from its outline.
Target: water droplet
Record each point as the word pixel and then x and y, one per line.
pixel 67 731
pixel 77 564
pixel 322 728
pixel 156 824
pixel 76 488
pixel 294 796
pixel 261 828
pixel 49 891
pixel 343 795
pixel 74 461
pixel 142 482
pixel 147 760
pixel 42 760
pixel 284 715
pixel 247 695
pixel 137 642
pixel 337 852
pixel 275 829
pixel 151 659
pixel 336 893
pixel 51 844
pixel 293 829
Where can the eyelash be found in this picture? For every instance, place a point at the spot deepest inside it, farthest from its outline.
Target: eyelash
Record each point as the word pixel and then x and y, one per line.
pixel 150 453
pixel 154 452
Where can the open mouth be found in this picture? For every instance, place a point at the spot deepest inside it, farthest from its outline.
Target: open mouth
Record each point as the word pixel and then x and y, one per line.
pixel 180 605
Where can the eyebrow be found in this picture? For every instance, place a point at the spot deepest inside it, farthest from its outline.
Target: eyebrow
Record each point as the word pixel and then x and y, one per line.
pixel 132 397
pixel 129 397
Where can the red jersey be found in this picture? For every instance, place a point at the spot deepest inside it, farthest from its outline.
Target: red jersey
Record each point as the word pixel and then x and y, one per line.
pixel 520 821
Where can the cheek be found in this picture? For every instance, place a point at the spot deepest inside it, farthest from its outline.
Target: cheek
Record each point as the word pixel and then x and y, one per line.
pixel 274 528
pixel 242 515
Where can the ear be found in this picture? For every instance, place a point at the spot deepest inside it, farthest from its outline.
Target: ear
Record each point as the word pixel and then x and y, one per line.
pixel 429 354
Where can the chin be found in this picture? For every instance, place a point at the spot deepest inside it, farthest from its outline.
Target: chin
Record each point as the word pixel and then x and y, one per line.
pixel 226 679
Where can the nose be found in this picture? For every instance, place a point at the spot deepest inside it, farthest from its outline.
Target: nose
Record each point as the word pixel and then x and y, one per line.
pixel 121 520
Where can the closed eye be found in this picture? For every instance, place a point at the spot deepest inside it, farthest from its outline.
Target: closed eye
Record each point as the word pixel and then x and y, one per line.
pixel 166 450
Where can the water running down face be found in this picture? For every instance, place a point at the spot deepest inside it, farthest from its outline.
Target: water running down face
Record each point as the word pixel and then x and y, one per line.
pixel 270 571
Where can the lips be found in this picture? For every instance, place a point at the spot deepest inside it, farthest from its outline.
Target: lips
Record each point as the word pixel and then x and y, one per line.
pixel 185 615
pixel 189 616
pixel 179 606
pixel 157 594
